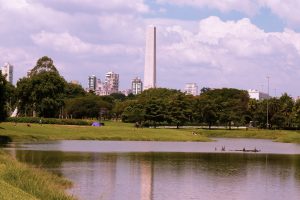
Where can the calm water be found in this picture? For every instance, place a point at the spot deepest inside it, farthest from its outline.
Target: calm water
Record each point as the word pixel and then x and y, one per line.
pixel 170 170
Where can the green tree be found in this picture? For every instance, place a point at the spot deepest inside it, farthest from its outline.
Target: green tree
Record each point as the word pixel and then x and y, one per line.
pixel 155 111
pixel 206 111
pixel 204 89
pixel 87 107
pixel 134 113
pixel 118 96
pixel 74 90
pixel 286 109
pixel 3 97
pixel 296 114
pixel 44 64
pixel 120 107
pixel 232 105
pixel 43 92
pixel 179 110
pixel 11 97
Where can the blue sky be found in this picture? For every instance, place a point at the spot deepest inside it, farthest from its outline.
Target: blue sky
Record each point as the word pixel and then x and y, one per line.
pixel 228 43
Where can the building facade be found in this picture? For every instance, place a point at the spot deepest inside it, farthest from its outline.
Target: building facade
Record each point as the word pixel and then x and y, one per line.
pixel 191 88
pixel 150 58
pixel 7 71
pixel 109 86
pixel 92 83
pixel 111 82
pixel 136 86
pixel 255 94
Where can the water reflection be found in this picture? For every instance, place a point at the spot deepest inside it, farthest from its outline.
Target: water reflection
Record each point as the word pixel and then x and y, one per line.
pixel 163 176
pixel 108 170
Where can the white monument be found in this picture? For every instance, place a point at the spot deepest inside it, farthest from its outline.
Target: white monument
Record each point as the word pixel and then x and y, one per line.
pixel 150 58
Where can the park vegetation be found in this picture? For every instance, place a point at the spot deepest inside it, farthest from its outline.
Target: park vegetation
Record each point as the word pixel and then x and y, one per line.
pixel 20 181
pixel 44 93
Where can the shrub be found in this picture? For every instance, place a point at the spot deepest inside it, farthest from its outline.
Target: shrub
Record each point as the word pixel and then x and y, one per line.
pixel 36 120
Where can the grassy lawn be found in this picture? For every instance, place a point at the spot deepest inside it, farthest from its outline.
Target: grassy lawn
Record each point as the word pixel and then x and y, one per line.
pixel 122 131
pixel 275 135
pixel 18 181
pixel 111 131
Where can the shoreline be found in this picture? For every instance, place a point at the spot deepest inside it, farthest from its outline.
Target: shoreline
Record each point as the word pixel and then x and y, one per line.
pixel 22 181
pixel 117 131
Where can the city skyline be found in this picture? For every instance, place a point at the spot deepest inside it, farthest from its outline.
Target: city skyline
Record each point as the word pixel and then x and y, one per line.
pixel 214 44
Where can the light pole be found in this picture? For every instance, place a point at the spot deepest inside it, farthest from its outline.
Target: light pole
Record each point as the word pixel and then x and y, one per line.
pixel 268 78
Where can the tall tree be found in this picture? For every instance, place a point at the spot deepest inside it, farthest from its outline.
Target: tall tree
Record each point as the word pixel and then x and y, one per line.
pixel 155 111
pixel 134 113
pixel 179 110
pixel 74 90
pixel 41 93
pixel 90 106
pixel 206 111
pixel 232 105
pixel 44 64
pixel 286 109
pixel 3 97
pixel 296 114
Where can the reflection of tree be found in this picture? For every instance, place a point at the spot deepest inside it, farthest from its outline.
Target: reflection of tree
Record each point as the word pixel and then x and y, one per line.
pixel 116 176
pixel 296 164
pixel 49 159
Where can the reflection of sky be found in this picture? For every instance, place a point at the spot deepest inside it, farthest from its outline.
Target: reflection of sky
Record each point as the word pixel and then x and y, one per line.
pixel 266 146
pixel 168 176
pixel 164 176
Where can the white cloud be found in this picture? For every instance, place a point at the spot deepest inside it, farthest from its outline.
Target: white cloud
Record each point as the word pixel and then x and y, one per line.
pixel 120 6
pixel 287 10
pixel 247 6
pixel 64 42
pixel 61 42
pixel 231 53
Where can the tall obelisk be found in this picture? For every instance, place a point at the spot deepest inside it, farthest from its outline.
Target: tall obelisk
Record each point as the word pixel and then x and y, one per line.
pixel 150 58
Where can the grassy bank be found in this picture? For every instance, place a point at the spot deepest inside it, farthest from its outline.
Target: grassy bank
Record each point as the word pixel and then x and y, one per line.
pixel 19 181
pixel 111 131
pixel 122 131
pixel 275 135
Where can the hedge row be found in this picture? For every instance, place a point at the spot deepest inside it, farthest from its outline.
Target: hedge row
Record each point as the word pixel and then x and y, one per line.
pixel 49 121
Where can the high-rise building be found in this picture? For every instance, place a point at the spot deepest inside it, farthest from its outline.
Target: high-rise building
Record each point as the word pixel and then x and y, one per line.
pixel 101 88
pixel 150 58
pixel 107 87
pixel 255 94
pixel 191 88
pixel 136 86
pixel 7 71
pixel 112 82
pixel 92 83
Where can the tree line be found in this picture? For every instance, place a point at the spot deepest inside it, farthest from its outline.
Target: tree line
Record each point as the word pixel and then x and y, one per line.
pixel 45 93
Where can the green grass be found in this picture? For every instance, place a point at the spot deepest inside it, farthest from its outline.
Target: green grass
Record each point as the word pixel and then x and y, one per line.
pixel 111 131
pixel 123 131
pixel 19 181
pixel 275 135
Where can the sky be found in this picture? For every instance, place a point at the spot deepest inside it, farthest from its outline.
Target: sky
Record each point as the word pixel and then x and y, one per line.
pixel 214 43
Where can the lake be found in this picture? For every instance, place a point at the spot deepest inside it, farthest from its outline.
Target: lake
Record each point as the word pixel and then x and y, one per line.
pixel 119 170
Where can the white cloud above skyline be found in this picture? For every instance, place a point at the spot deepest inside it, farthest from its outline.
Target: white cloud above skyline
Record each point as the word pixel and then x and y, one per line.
pixel 93 37
pixel 287 10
